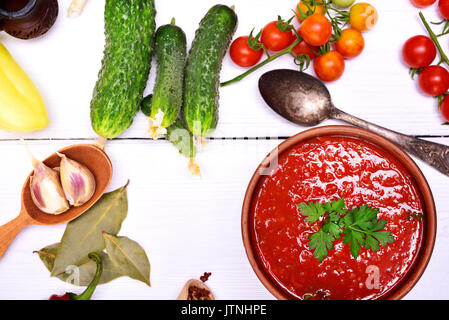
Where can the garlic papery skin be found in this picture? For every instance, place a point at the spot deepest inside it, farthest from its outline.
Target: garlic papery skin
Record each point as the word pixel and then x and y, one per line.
pixel 46 189
pixel 77 181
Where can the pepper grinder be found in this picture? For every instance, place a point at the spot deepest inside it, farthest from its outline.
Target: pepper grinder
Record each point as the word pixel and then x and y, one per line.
pixel 27 19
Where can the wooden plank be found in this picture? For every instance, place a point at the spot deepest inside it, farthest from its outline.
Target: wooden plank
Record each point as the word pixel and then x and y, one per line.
pixel 188 225
pixel 376 86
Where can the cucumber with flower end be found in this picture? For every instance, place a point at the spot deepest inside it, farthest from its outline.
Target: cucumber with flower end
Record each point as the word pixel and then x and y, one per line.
pixel 177 133
pixel 202 73
pixel 129 29
pixel 165 104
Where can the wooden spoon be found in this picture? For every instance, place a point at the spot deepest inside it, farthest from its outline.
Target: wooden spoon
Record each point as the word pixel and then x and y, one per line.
pixel 93 158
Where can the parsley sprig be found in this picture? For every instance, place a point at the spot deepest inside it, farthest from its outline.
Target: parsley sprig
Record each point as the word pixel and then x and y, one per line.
pixel 359 227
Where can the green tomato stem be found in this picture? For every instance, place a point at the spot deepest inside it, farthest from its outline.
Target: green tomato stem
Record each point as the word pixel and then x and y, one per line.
pixel 263 63
pixel 434 38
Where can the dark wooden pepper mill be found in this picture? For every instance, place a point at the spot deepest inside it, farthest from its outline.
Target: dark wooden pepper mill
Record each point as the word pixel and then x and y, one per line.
pixel 27 19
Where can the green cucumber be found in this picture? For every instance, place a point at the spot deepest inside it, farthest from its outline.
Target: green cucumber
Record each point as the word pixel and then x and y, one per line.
pixel 146 105
pixel 202 73
pixel 170 51
pixel 129 31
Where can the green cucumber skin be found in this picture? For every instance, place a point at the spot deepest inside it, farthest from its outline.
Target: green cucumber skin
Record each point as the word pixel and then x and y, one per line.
pixel 202 73
pixel 146 105
pixel 129 29
pixel 170 52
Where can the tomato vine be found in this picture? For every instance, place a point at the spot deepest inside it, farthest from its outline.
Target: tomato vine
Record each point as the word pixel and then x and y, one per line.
pixel 338 19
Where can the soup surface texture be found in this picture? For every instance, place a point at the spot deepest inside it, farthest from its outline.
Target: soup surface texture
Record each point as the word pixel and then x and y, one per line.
pixel 322 170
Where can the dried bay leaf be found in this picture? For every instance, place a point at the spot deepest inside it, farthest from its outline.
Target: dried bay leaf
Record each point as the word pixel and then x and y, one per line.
pixel 85 272
pixel 84 234
pixel 128 257
pixel 48 255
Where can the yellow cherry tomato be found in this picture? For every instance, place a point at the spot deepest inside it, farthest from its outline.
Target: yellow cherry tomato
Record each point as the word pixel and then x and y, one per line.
pixel 363 16
pixel 308 9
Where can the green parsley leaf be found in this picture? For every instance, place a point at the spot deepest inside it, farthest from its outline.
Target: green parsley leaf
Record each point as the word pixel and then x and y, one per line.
pixel 362 229
pixel 321 242
pixel 337 207
pixel 355 239
pixel 312 211
pixel 333 229
pixel 360 226
pixel 371 243
pixel 384 237
pixel 365 217
pixel 334 217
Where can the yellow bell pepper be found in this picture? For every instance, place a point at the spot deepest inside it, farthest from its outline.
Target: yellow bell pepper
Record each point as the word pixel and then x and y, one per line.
pixel 22 108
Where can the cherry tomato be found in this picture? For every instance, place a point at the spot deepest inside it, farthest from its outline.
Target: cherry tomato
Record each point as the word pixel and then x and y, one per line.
pixel 343 3
pixel 363 16
pixel 304 48
pixel 444 108
pixel 242 54
pixel 274 39
pixel 330 66
pixel 443 5
pixel 423 3
pixel 419 52
pixel 306 8
pixel 316 30
pixel 434 80
pixel 350 44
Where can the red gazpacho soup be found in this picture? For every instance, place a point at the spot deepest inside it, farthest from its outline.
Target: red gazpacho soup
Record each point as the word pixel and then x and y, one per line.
pixel 322 170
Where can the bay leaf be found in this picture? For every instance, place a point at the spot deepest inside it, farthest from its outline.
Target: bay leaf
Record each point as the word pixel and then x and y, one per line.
pixel 48 255
pixel 84 234
pixel 128 257
pixel 84 272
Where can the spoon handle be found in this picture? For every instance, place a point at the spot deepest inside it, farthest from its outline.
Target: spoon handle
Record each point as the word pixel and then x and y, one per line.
pixel 10 230
pixel 435 154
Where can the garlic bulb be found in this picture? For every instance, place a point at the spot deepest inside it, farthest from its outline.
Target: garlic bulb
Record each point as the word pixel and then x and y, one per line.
pixel 77 181
pixel 46 189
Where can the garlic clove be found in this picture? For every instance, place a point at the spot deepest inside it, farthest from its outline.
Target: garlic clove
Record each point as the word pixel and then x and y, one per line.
pixel 77 181
pixel 46 189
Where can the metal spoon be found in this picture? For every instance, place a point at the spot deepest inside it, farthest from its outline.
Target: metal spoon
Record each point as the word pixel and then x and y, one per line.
pixel 93 158
pixel 305 100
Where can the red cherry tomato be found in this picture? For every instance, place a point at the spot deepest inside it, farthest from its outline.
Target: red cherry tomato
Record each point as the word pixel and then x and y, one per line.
pixel 316 30
pixel 274 39
pixel 444 108
pixel 330 66
pixel 242 54
pixel 423 3
pixel 419 52
pixel 303 48
pixel 443 5
pixel 434 80
pixel 350 44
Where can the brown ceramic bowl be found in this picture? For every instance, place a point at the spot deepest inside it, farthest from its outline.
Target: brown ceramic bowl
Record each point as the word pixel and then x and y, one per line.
pixel 430 223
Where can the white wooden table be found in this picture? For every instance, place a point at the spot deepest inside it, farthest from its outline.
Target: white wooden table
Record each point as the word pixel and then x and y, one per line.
pixel 189 225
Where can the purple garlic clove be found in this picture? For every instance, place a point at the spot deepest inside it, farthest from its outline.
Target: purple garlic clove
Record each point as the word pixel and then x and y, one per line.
pixel 77 181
